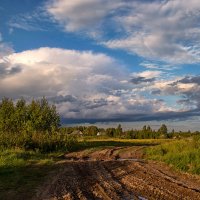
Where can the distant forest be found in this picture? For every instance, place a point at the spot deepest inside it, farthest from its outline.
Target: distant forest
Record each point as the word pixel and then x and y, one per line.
pixel 146 133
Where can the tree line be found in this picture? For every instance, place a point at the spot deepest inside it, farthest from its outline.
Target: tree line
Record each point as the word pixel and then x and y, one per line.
pixel 145 133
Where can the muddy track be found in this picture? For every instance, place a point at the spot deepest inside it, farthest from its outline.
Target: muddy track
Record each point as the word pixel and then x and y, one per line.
pixel 116 179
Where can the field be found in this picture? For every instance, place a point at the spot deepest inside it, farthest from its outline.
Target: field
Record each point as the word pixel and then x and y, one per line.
pixel 101 168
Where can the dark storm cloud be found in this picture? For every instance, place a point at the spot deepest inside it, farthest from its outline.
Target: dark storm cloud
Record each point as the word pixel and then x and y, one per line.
pixel 187 80
pixel 138 80
pixel 156 92
pixel 7 70
pixel 193 79
pixel 190 97
pixel 62 99
pixel 138 117
pixel 96 103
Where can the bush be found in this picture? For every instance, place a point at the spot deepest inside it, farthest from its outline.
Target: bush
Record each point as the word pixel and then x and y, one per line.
pixel 38 141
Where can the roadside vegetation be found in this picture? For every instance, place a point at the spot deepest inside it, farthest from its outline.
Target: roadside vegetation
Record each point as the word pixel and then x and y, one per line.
pixel 182 154
pixel 22 171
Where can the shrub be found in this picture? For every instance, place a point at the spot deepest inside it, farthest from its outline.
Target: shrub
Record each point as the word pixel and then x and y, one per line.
pixel 38 141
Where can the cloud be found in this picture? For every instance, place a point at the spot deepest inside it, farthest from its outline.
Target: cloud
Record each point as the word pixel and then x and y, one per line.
pixel 87 86
pixel 82 84
pixel 191 79
pixel 80 15
pixel 62 99
pixel 8 70
pixel 61 72
pixel 164 31
pixel 185 89
pixel 144 77
pixel 140 79
pixel 161 30
pixel 156 65
pixel 5 48
pixel 189 87
pixel 167 31
pixel 148 74
pixel 37 20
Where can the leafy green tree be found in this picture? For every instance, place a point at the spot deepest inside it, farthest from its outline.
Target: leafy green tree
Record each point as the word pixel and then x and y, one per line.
pixel 36 116
pixel 110 132
pixel 42 116
pixel 144 128
pixel 118 131
pixel 20 115
pixel 91 130
pixel 149 129
pixel 7 111
pixel 163 129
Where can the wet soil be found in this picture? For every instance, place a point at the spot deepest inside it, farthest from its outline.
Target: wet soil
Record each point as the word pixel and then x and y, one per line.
pixel 117 173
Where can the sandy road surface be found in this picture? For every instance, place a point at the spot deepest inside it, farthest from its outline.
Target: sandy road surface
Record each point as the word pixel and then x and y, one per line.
pixel 112 174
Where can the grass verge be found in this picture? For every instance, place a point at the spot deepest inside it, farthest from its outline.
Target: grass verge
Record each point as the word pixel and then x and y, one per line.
pixel 22 171
pixel 182 154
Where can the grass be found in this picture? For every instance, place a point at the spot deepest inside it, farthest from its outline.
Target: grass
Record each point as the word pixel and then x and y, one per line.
pixel 115 142
pixel 22 171
pixel 182 154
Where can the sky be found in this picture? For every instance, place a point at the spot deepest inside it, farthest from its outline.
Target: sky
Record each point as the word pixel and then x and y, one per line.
pixel 104 61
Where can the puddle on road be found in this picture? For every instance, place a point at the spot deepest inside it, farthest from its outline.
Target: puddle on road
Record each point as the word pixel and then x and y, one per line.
pixel 142 198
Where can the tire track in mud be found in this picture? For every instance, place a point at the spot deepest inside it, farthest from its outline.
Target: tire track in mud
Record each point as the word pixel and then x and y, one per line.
pixel 141 183
pixel 108 178
pixel 148 181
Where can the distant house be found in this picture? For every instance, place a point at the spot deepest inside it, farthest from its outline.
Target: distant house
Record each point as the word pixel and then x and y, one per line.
pixel 77 132
pixel 99 134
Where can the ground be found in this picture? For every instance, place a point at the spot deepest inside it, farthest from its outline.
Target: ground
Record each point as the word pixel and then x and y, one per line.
pixel 116 173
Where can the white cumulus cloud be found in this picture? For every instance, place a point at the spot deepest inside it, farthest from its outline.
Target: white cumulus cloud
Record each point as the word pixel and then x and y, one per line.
pixel 83 84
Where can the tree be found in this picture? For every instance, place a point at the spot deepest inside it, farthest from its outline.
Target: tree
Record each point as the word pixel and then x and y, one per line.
pixel 110 132
pixel 36 116
pixel 91 130
pixel 42 116
pixel 7 111
pixel 163 130
pixel 149 129
pixel 20 115
pixel 118 131
pixel 144 128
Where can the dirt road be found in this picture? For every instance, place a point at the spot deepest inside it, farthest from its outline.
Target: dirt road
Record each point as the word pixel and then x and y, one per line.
pixel 117 173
